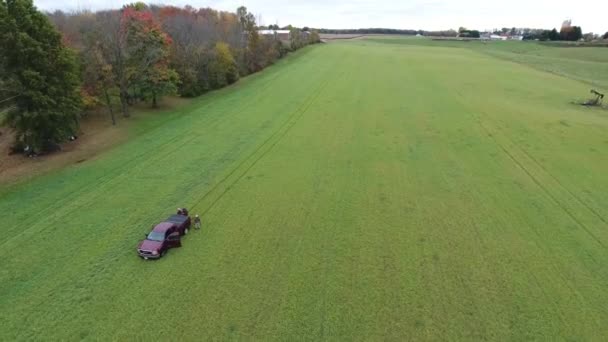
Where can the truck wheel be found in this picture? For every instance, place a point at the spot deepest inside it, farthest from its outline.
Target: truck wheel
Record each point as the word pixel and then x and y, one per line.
pixel 162 254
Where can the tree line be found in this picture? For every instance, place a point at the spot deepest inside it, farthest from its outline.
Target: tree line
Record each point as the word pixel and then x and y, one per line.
pixel 408 32
pixel 571 33
pixel 566 33
pixel 370 31
pixel 56 66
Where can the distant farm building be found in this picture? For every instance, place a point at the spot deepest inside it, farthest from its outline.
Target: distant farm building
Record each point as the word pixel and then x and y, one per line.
pixel 489 35
pixel 282 35
pixel 498 37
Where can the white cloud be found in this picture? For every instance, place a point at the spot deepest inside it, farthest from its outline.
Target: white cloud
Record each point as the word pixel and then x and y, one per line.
pixel 413 14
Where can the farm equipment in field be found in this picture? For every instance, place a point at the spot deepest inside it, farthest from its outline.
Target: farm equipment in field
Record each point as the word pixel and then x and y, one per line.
pixel 596 101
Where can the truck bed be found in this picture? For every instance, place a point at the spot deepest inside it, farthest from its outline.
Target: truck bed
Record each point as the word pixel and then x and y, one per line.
pixel 177 219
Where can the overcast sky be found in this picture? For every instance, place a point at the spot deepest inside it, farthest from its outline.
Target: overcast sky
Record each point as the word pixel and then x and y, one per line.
pixel 592 15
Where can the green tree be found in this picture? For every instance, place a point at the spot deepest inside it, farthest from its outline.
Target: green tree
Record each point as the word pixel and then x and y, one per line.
pixel 463 32
pixel 296 38
pixel 158 81
pixel 45 74
pixel 314 37
pixel 577 34
pixel 554 35
pixel 605 36
pixel 223 66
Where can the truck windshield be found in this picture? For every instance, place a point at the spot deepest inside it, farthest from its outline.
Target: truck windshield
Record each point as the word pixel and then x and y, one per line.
pixel 154 236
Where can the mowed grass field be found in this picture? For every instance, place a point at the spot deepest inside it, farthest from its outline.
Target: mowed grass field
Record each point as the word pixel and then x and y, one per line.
pixel 355 191
pixel 585 64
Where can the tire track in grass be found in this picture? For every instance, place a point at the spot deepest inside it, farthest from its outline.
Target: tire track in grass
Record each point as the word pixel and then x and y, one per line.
pixel 260 152
pixel 548 193
pixel 572 288
pixel 116 173
pixel 108 177
pixel 219 116
pixel 270 143
pixel 258 92
pixel 474 221
pixel 109 173
pixel 189 111
pixel 583 203
pixel 105 191
pixel 556 268
pixel 551 175
pixel 53 218
pixel 245 105
pixel 539 283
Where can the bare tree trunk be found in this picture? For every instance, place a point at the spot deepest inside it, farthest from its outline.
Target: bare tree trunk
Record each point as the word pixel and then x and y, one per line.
pixel 109 104
pixel 154 103
pixel 124 103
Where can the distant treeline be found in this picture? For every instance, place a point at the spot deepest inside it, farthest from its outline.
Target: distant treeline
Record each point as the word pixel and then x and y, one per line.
pixel 54 66
pixel 370 31
pixel 572 33
pixel 444 33
pixel 566 34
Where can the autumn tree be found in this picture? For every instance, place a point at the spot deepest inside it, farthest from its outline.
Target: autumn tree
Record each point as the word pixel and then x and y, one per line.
pixel 195 34
pixel 136 52
pixel 45 76
pixel 148 50
pixel 97 74
pixel 571 33
pixel 314 37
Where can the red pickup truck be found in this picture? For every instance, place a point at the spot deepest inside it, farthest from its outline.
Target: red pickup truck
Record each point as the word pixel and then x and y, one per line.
pixel 164 236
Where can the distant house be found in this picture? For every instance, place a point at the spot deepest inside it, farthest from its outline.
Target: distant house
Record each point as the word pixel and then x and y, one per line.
pixel 282 35
pixel 497 37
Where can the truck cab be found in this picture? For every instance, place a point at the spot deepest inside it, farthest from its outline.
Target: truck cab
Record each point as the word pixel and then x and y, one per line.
pixel 163 237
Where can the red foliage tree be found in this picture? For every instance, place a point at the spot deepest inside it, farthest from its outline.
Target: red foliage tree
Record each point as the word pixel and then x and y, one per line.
pixel 148 47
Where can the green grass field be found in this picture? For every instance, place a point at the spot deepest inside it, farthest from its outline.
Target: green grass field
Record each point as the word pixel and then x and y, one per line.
pixel 585 64
pixel 355 191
